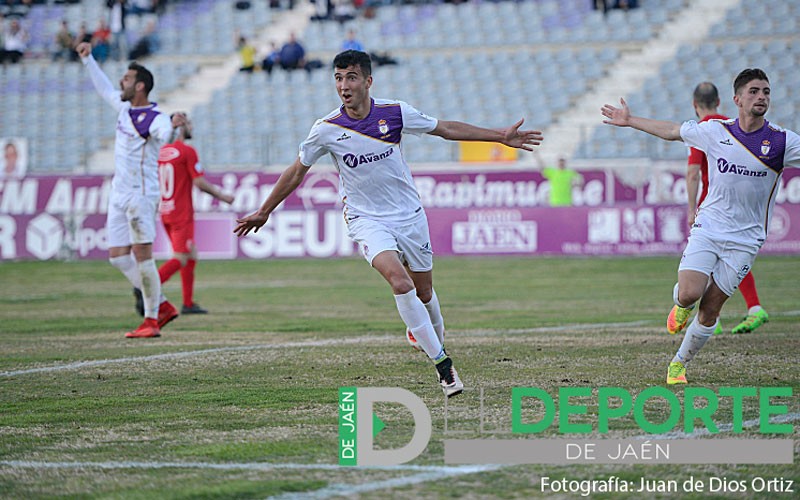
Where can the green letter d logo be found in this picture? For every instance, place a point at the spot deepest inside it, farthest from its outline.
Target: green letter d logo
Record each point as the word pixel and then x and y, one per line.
pixel 364 454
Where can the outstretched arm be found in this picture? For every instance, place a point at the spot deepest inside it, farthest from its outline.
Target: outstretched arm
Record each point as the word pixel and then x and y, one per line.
pixel 288 182
pixel 211 189
pixel 511 136
pixel 621 117
pixel 101 82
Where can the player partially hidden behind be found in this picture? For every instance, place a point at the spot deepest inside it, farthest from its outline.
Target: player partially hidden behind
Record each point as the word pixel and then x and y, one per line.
pixel 179 171
pixel 131 221
pixel 748 156
pixel 706 102
pixel 382 208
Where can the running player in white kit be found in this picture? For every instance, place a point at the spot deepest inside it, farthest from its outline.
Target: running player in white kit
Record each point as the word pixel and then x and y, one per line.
pixel 141 130
pixel 746 157
pixel 381 205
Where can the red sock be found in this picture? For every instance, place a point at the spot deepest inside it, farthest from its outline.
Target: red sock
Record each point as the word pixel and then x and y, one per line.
pixel 187 280
pixel 168 268
pixel 748 289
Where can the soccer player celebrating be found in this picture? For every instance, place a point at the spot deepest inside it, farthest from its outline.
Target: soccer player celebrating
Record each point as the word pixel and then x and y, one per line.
pixel 131 220
pixel 706 102
pixel 748 156
pixel 179 170
pixel 381 204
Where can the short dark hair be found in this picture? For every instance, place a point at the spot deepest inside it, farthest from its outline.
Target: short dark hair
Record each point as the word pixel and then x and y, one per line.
pixel 142 75
pixel 706 95
pixel 748 76
pixel 353 58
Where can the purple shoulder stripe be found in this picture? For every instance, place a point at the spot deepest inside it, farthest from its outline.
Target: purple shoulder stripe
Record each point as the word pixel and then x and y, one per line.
pixel 384 122
pixel 142 118
pixel 768 144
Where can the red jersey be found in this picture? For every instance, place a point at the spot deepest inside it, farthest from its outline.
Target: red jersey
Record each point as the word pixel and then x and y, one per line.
pixel 178 166
pixel 696 156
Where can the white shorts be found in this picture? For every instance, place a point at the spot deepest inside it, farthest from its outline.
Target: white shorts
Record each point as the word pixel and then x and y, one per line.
pixel 728 261
pixel 411 240
pixel 131 220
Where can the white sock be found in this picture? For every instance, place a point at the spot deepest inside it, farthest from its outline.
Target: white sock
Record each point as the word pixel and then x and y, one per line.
pixel 754 310
pixel 127 265
pixel 416 318
pixel 151 287
pixel 675 298
pixel 696 337
pixel 435 314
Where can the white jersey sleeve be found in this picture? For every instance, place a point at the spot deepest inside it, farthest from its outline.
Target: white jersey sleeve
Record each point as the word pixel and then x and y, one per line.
pixel 312 149
pixel 415 122
pixel 102 84
pixel 692 134
pixel 161 129
pixel 791 157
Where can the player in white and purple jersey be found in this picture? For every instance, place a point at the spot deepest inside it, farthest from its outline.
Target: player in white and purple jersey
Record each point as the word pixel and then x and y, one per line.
pixel 381 204
pixel 141 130
pixel 746 157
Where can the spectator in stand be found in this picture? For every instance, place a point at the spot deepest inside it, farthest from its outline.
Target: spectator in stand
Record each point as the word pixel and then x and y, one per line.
pixel 293 55
pixel 15 8
pixel 626 4
pixel 148 44
pixel 64 44
pixel 248 55
pixel 272 58
pixel 15 42
pixel 82 35
pixel 343 11
pixel 351 42
pixel 141 7
pixel 601 5
pixel 101 41
pixel 322 9
pixel 118 9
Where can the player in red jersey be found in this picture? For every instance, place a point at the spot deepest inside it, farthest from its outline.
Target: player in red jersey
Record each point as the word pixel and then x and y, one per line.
pixel 706 102
pixel 179 170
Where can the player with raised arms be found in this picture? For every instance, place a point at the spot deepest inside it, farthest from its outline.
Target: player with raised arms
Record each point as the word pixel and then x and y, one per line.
pixel 747 156
pixel 382 208
pixel 141 130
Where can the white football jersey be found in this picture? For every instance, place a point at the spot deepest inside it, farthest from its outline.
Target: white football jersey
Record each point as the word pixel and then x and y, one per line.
pixel 743 173
pixel 141 132
pixel 374 178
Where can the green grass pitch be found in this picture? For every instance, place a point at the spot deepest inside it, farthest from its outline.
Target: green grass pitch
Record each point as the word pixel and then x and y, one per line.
pixel 242 403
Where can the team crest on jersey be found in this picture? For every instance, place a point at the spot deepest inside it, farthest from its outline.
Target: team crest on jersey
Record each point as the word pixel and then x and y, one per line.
pixel 383 126
pixel 765 147
pixel 141 117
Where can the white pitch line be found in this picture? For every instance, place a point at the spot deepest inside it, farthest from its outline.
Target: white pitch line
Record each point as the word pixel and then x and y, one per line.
pixel 312 343
pixel 350 489
pixel 253 466
pixel 186 354
pixel 422 474
pixel 320 343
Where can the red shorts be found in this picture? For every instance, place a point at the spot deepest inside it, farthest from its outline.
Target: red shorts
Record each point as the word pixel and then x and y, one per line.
pixel 181 235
